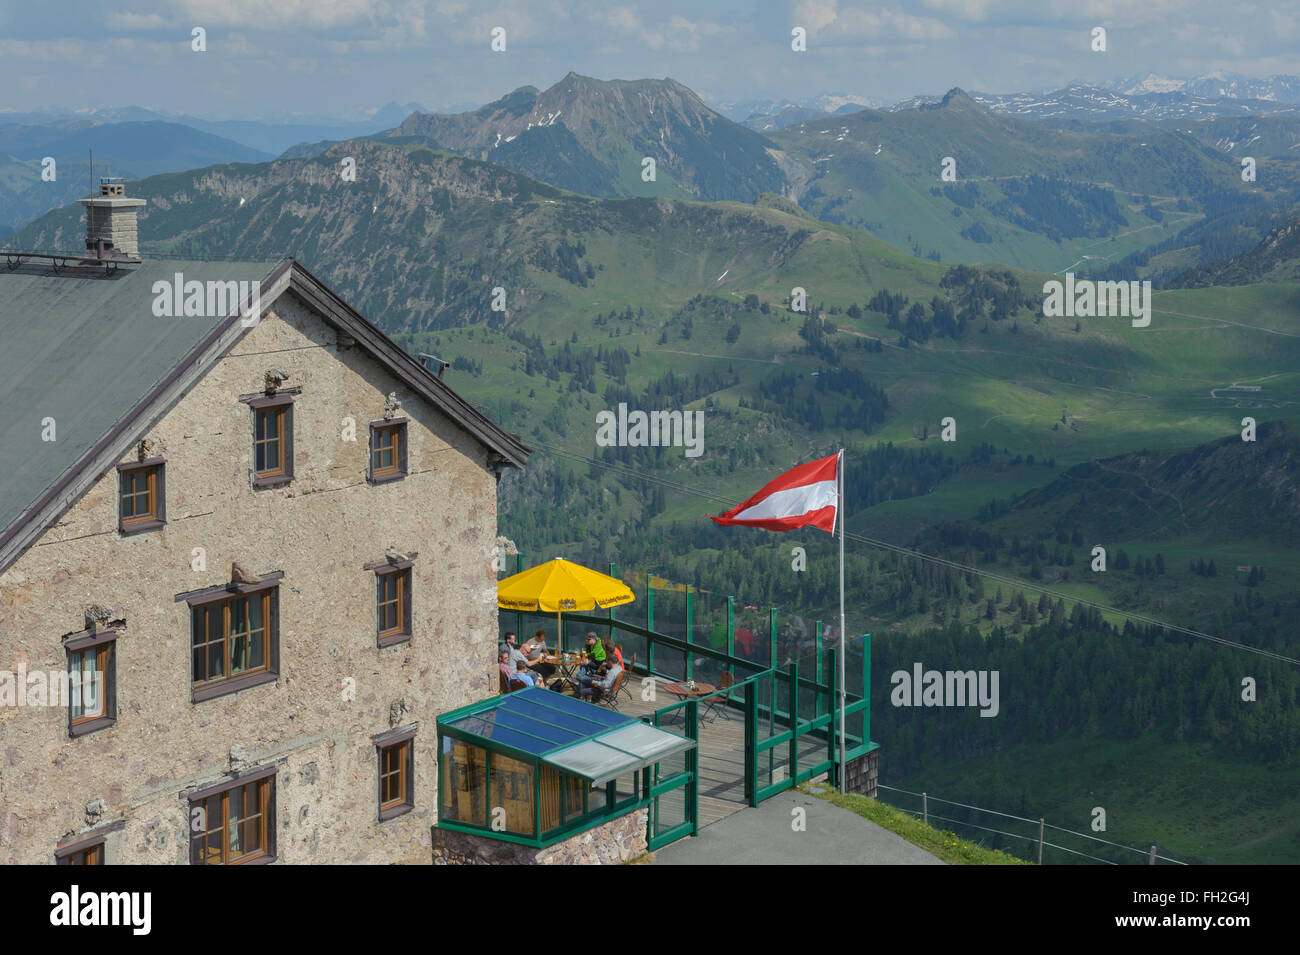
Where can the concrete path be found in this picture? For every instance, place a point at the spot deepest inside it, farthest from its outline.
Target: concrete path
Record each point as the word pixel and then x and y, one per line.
pixel 764 836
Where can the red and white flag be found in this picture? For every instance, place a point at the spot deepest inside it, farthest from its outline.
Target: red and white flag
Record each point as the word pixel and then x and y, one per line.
pixel 804 496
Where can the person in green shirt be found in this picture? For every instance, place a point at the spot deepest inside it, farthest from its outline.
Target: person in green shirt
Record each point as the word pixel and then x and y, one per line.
pixel 595 657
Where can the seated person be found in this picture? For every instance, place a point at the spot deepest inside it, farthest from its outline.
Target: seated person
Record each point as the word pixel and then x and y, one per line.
pixel 597 688
pixel 595 655
pixel 522 673
pixel 503 663
pixel 515 655
pixel 533 650
pixel 611 651
pixel 536 646
pixel 590 670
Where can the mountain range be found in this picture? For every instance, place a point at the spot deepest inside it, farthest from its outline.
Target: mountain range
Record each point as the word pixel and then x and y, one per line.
pixel 1281 88
pixel 265 136
pixel 132 149
pixel 593 136
pixel 1052 193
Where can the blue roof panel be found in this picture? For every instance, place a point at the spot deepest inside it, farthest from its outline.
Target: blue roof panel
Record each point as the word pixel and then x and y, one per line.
pixel 540 721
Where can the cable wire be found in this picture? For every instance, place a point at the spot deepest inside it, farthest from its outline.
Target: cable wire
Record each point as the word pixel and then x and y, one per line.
pixel 1007 815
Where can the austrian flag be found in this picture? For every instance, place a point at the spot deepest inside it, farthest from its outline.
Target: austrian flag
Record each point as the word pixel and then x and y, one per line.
pixel 804 496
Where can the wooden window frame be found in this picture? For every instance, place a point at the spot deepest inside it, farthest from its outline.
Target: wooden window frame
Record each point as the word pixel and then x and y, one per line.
pixel 104 644
pixel 264 779
pixel 397 427
pixel 157 516
pixel 268 590
pixel 402 571
pixel 402 741
pixel 281 405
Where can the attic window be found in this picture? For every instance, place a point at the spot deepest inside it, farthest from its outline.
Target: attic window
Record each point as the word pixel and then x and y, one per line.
pixel 387 450
pixel 141 501
pixel 272 440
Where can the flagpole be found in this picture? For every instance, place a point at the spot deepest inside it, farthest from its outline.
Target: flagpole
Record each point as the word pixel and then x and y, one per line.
pixel 844 643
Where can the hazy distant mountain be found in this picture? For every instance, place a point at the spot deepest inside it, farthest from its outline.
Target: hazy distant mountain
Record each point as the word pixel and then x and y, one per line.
pixel 823 105
pixel 1025 193
pixel 267 137
pixel 1279 88
pixel 146 148
pixel 1095 103
pixel 593 136
pixel 130 149
pixel 762 122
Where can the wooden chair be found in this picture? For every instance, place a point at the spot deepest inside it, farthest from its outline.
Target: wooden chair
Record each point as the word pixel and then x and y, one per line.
pixel 511 685
pixel 610 699
pixel 627 670
pixel 717 705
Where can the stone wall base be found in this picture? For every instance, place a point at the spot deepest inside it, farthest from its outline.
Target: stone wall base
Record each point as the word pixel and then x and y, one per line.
pixel 860 774
pixel 609 844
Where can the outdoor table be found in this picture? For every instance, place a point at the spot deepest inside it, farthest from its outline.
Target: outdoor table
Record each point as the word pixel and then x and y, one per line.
pixel 683 692
pixel 568 668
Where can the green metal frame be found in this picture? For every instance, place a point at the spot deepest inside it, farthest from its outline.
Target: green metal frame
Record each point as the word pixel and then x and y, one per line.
pixel 784 726
pixel 588 818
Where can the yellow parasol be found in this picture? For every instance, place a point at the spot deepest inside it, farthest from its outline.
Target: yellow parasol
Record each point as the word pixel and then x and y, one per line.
pixel 561 585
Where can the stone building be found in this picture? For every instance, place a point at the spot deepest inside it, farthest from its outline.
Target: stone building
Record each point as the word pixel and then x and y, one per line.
pixel 251 537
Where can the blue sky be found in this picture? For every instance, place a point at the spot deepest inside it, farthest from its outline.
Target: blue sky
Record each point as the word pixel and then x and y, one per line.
pixel 338 58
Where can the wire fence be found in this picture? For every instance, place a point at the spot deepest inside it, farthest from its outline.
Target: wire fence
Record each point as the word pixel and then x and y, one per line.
pixel 1150 855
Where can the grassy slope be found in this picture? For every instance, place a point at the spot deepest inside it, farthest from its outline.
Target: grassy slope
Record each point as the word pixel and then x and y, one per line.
pixel 1188 798
pixel 948 846
pixel 877 169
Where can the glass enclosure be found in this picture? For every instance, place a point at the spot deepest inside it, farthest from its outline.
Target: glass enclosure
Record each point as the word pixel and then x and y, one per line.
pixel 535 766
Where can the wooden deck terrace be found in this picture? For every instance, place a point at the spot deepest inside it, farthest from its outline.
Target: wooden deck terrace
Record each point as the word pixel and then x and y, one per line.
pixel 722 752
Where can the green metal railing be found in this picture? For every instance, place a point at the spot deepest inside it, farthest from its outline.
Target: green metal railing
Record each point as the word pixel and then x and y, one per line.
pixel 690 634
pixel 674 648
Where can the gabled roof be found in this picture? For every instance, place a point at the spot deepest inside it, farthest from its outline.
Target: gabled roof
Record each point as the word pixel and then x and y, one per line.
pixel 84 348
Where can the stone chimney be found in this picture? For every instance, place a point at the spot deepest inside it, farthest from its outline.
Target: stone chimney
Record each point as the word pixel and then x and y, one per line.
pixel 110 220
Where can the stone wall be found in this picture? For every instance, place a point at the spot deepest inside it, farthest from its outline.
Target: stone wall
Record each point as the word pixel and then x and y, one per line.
pixel 318 531
pixel 861 774
pixel 614 842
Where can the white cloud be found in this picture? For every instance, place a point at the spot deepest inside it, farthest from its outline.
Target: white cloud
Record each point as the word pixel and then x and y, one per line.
pixel 972 10
pixel 677 34
pixel 1285 25
pixel 813 15
pixel 126 20
pixel 309 14
pixel 827 20
pixel 48 51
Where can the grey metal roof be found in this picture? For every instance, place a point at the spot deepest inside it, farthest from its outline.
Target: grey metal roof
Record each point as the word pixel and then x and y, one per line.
pixel 83 347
